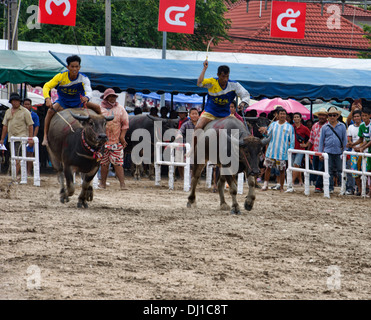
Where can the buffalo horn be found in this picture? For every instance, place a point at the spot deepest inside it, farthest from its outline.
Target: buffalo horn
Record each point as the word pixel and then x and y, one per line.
pixel 80 117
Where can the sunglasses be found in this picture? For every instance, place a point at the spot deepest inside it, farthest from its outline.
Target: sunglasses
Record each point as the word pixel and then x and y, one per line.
pixel 333 115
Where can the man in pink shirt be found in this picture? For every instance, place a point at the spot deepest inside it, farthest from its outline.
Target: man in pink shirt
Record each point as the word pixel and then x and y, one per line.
pixel 315 134
pixel 116 131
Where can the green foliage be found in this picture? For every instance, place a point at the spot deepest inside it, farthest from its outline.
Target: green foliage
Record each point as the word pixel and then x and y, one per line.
pixel 134 24
pixel 366 29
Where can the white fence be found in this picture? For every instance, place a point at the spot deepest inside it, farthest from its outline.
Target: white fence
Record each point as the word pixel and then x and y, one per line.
pixel 172 164
pixel 362 173
pixel 23 160
pixel 209 176
pixel 307 171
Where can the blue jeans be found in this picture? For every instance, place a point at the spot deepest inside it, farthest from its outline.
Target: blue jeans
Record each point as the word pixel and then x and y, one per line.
pixel 318 165
pixel 334 167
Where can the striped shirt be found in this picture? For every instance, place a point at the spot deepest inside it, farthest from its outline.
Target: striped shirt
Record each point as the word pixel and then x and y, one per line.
pixel 283 138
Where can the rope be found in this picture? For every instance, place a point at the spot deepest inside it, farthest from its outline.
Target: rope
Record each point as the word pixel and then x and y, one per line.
pixel 66 122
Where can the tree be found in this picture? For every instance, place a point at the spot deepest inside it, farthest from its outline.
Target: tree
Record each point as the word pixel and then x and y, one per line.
pixel 134 24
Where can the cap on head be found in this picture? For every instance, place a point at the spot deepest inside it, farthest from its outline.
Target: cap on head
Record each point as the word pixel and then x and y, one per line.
pixel 108 92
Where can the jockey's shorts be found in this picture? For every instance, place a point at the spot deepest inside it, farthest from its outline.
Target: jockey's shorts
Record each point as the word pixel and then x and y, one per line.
pixel 69 105
pixel 113 154
pixel 210 116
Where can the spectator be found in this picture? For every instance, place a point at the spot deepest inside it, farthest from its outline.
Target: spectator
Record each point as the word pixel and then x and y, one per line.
pixel 137 110
pixel 289 118
pixel 302 135
pixel 364 141
pixel 333 141
pixel 27 103
pixel 173 114
pixel 17 122
pixel 356 105
pixel 181 137
pixel 153 112
pixel 354 161
pixel 313 145
pixel 309 124
pixel 163 112
pixel 183 115
pixel 283 138
pixel 232 107
pixel 116 131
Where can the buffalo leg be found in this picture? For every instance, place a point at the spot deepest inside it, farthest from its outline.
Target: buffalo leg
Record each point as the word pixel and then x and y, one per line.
pixel 221 184
pixel 233 192
pixel 63 196
pixel 250 198
pixel 86 193
pixel 69 181
pixel 197 169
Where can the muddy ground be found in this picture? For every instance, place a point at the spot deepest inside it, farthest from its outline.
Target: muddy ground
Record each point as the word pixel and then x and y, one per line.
pixel 144 243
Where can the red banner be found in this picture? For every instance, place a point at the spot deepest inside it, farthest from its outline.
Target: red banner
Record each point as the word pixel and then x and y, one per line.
pixel 61 12
pixel 288 19
pixel 177 16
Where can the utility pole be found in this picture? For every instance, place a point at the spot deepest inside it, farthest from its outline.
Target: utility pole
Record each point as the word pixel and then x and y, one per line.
pixel 164 40
pixel 12 34
pixel 108 28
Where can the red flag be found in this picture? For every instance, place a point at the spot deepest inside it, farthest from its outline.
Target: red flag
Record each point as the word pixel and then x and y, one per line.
pixel 177 16
pixel 288 19
pixel 62 12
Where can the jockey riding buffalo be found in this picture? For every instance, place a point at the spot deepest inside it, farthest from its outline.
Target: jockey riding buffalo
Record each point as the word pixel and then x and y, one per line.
pixel 249 148
pixel 76 141
pixel 147 122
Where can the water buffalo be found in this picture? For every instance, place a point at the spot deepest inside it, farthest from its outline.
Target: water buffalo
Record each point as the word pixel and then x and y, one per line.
pixel 76 141
pixel 249 148
pixel 147 122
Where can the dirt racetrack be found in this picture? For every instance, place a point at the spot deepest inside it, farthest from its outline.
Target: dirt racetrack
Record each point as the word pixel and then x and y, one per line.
pixel 145 244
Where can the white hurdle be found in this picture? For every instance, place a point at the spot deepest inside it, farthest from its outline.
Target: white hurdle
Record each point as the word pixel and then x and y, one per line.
pixel 23 160
pixel 362 173
pixel 307 171
pixel 209 175
pixel 172 164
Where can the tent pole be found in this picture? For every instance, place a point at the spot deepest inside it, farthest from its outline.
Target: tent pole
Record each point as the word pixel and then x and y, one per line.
pixel 172 102
pixel 311 110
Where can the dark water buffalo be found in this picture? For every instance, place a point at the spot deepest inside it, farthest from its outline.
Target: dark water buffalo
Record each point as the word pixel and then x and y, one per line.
pixel 147 122
pixel 248 150
pixel 76 141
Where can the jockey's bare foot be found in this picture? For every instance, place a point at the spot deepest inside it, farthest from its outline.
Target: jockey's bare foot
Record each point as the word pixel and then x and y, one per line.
pixel 123 187
pixel 101 186
pixel 45 142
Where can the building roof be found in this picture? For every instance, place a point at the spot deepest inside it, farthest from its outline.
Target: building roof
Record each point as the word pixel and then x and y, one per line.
pixel 250 32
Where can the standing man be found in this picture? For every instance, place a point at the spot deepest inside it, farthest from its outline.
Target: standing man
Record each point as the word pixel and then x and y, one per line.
pixel 302 135
pixel 315 135
pixel 283 138
pixel 74 91
pixel 333 141
pixel 116 131
pixel 27 103
pixel 183 115
pixel 17 123
pixel 353 137
pixel 182 135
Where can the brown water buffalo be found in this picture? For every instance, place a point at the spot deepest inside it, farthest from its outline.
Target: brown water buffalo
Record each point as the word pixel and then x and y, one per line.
pixel 76 141
pixel 246 155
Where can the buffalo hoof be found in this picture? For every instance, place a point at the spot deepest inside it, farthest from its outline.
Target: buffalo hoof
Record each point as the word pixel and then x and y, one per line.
pixel 248 206
pixel 64 199
pixel 191 205
pixel 237 212
pixel 82 205
pixel 225 207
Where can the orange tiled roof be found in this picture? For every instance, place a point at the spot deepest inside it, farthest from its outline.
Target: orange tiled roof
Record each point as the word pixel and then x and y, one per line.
pixel 250 32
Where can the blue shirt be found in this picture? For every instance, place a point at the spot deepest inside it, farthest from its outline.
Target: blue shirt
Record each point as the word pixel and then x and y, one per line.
pixel 329 142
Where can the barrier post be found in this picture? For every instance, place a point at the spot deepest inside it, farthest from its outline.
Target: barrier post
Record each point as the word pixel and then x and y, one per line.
pixel 172 164
pixel 23 160
pixel 363 173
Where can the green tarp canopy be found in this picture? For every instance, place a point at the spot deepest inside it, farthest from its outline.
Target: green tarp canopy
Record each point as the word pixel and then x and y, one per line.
pixel 34 68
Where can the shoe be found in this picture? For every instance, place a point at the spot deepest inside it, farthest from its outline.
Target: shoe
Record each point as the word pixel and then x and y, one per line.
pixel 276 187
pixel 289 190
pixel 358 194
pixel 331 191
pixel 349 192
pixel 318 190
pixel 264 188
